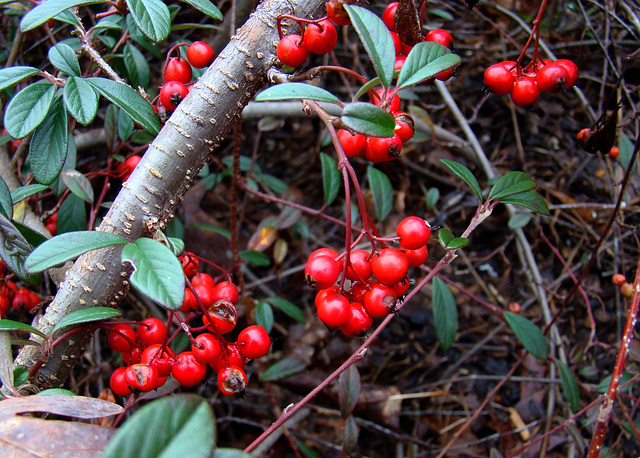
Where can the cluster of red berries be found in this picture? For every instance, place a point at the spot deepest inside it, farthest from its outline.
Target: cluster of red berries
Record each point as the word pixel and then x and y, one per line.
pixel 353 311
pixel 177 73
pixel 626 288
pixel 319 37
pixel 21 299
pixel 526 85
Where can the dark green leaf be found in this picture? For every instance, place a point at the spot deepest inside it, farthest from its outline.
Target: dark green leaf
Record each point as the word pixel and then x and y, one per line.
pixel 626 152
pixel 264 315
pixel 113 22
pixel 350 446
pixel 23 192
pixel 49 144
pixel 511 183
pixel 382 191
pixel 51 8
pixel 445 236
pixel 529 335
pixel 368 119
pixel 208 227
pixel 466 175
pixel 12 75
pixel 51 391
pixel 626 377
pixel 81 100
pixel 365 88
pixel 78 184
pixel 89 315
pixel 125 125
pixel 305 450
pixel 457 242
pixel 348 390
pixel 255 257
pixel 28 108
pixel 206 7
pixel 274 183
pixel 32 237
pixel 14 249
pixel 72 215
pixel 377 41
pixel 178 425
pixel 283 369
pixel 176 245
pixel 445 313
pixel 20 375
pixel 569 385
pixel 330 178
pixel 425 61
pixel 157 272
pixel 529 200
pixel 296 91
pixel 287 307
pixel 70 245
pixel 152 18
pixel 10 325
pixel 137 66
pixel 519 220
pixel 67 17
pixel 130 101
pixel 6 203
pixel 64 59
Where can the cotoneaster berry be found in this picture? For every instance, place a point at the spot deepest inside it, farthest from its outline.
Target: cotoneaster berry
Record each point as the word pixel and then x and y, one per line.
pixel 626 289
pixel 414 232
pixel 232 357
pixel 572 71
pixel 132 357
pixel 232 381
pixel 187 370
pixel 379 301
pixel 209 349
pixel 498 79
pixel 525 91
pixel 358 290
pixel 117 383
pixel 360 268
pixel 382 149
pixel 352 144
pixel 224 316
pixel 389 266
pixel 226 291
pixel 190 302
pixel 394 104
pixel 177 69
pixel 321 272
pixel 389 14
pixel 333 308
pixel 123 341
pixel 336 13
pixel 552 78
pixel 162 360
pixel 400 60
pixel 320 38
pixel 405 127
pixel 141 377
pixel 397 43
pixel 254 342
pixel 417 257
pixel 151 331
pixel 204 280
pixel 402 287
pixel 614 152
pixel 618 279
pixel 439 36
pixel 200 54
pixel 5 305
pixel 359 321
pixel 190 264
pixel 125 168
pixel 172 93
pixel 291 51
pixel 205 294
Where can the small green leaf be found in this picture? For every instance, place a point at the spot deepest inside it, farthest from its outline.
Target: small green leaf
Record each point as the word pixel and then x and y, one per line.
pixel 72 215
pixel 530 200
pixel 519 220
pixel 272 182
pixel 626 152
pixel 63 57
pixel 28 109
pixel 51 8
pixel 511 183
pixel 20 375
pixel 6 202
pixel 377 41
pixel 466 175
pixel 178 425
pixel 425 61
pixel 626 377
pixel 176 245
pixel 330 178
pixel 287 307
pixel 81 100
pixel 32 237
pixel 457 242
pixel 350 445
pixel 206 7
pixel 14 249
pixel 445 236
pixel 50 144
pixel 382 191
pixel 125 125
pixel 365 87
pixel 137 66
pixel 528 334
pixel 70 245
pixel 152 18
pixel 208 227
pixel 569 385
pixel 51 391
pixel 348 390
pixel 157 272
pixel 264 315
pixel 432 196
pixel 10 325
pixel 283 369
pixel 296 91
pixel 78 184
pixel 445 313
pixel 12 75
pixel 89 315
pixel 23 192
pixel 255 257
pixel 368 119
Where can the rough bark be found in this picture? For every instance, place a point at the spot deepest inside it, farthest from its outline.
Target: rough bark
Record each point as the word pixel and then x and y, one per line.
pixel 149 198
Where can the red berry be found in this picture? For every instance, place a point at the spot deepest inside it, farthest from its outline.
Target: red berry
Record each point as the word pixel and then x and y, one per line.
pixel 190 302
pixel 172 93
pixel 291 51
pixel 320 38
pixel 51 224
pixel 177 69
pixel 209 350
pixel 5 305
pixel 379 301
pixel 200 54
pixel 416 258
pixel 232 381
pixel 381 149
pixel 552 78
pixel 152 331
pixel 397 44
pixel 389 266
pixel 414 232
pixel 583 135
pixel 224 316
pixel 614 152
pixel 358 290
pixel 323 252
pixel 205 294
pixel 190 264
pixel 401 287
pixel 440 36
pixel 393 106
pixel 141 377
pixel 400 60
pixel 360 268
pixel 187 370
pixel 359 321
pixel 132 357
pixel 233 358
pixel 445 75
pixel 337 14
pixel 498 79
pixel 388 15
pixel 321 272
pixel 163 361
pixel 118 342
pixel 203 279
pixel 405 127
pixel 117 383
pixel 125 168
pixel 525 91
pixel 512 66
pixel 618 279
pixel 353 145
pixel 626 289
pixel 254 342
pixel 572 71
pixel 406 49
pixel 333 308
pixel 226 291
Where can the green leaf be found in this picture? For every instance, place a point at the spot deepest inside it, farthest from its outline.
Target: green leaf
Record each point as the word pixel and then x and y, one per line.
pixel 287 307
pixel 152 18
pixel 176 245
pixel 530 200
pixel 519 220
pixel 173 426
pixel 63 57
pixel 365 87
pixel 10 325
pixel 81 100
pixel 51 391
pixel 46 10
pixel 445 236
pixel 23 192
pixel 569 385
pixel 330 178
pixel 255 257
pixel 157 272
pixel 70 245
pixel 432 196
pixel 264 315
pixel 466 175
pixel 20 375
pixel 445 313
pixel 457 242
pixel 382 191
pixel 296 91
pixel 529 335
pixel 208 227
pixel 137 66
pixel 89 315
pixel 14 249
pixel 368 119
pixel 49 145
pixel 511 183
pixel 12 75
pixel 425 61
pixel 283 369
pixel 32 237
pixel 626 152
pixel 72 215
pixel 28 109
pixel 348 390
pixel 78 184
pixel 130 101
pixel 376 39
pixel 626 377
pixel 6 202
pixel 206 7
pixel 125 125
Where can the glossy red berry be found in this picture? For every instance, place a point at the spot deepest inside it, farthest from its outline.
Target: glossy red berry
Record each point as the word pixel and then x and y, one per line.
pixel 254 342
pixel 320 38
pixel 388 15
pixel 359 321
pixel 397 43
pixel 380 300
pixel 172 93
pixel 291 51
pixel 382 149
pixel 498 79
pixel 204 280
pixel 5 305
pixel 187 370
pixel 358 290
pixel 405 127
pixel 417 257
pixel 583 135
pixel 360 268
pixel 614 152
pixel 389 266
pixel 525 91
pixel 393 105
pixel 400 60
pixel 24 300
pixel 233 358
pixel 117 383
pixel 177 69
pixel 190 302
pixel 226 291
pixel 333 308
pixel 163 361
pixel 200 54
pixel 224 316
pixel 122 339
pixel 132 357
pixel 190 264
pixel 321 272
pixel 552 78
pixel 402 287
pixel 152 331
pixel 572 71
pixel 414 232
pixel 439 36
pixel 141 377
pixel 125 168
pixel 445 75
pixel 209 349
pixel 205 294
pixel 323 252
pixel 232 381
pixel 51 224
pixel 352 144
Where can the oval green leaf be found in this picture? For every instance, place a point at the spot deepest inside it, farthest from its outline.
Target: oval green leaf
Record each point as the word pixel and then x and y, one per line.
pixel 206 7
pixel 445 236
pixel 348 390
pixel 89 315
pixel 511 183
pixel 152 18
pixel 368 119
pixel 264 315
pixel 283 369
pixel 382 191
pixel 10 325
pixel 530 200
pixel 445 313
pixel 23 192
pixel 177 425
pixel 425 61
pixel 50 144
pixel 256 258
pixel 81 100
pixel 157 272
pixel 46 10
pixel 51 391
pixel 330 178
pixel 78 184
pixel 72 215
pixel 6 202
pixel 466 175
pixel 519 220
pixel 287 307
pixel 137 66
pixel 14 250
pixel 457 242
pixel 12 75
pixel 569 385
pixel 64 59
pixel 528 334
pixel 296 91
pixel 28 108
